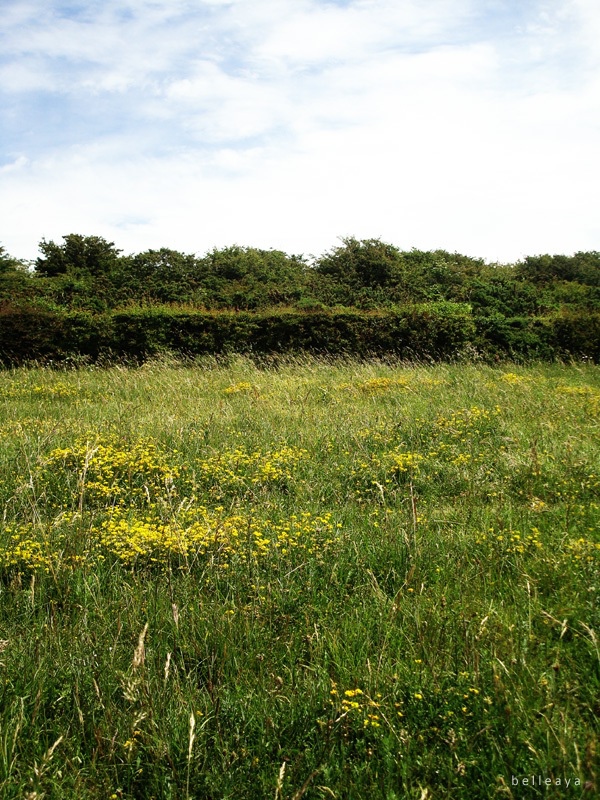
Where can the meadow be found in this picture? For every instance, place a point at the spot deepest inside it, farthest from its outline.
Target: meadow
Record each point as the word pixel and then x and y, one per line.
pixel 300 579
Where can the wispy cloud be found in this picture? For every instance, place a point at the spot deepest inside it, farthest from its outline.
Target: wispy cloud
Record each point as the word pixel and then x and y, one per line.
pixel 465 124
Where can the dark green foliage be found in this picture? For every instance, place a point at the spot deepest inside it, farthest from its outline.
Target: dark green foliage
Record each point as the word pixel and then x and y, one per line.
pixel 163 276
pixel 429 331
pixel 495 290
pixel 9 264
pixel 16 284
pixel 582 267
pixel 247 278
pixel 424 331
pixel 29 333
pixel 561 335
pixel 578 334
pixel 513 337
pixel 436 330
pixel 364 296
pixel 371 273
pixel 79 257
pixel 367 262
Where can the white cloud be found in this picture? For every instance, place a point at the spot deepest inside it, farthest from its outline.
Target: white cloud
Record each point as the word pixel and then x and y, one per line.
pixel 290 122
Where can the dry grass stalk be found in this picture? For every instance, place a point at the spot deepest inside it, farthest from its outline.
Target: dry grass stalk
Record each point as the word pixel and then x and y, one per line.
pixel 139 655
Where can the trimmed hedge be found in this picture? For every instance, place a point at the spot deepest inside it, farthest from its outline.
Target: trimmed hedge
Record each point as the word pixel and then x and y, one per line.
pixel 563 335
pixel 439 330
pixel 28 333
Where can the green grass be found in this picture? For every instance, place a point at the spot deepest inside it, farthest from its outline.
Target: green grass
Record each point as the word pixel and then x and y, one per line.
pixel 306 580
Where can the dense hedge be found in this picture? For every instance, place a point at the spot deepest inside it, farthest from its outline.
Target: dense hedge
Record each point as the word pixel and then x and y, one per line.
pixel 562 335
pixel 29 333
pixel 439 330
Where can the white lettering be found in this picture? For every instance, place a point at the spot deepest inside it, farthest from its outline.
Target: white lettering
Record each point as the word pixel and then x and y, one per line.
pixel 540 780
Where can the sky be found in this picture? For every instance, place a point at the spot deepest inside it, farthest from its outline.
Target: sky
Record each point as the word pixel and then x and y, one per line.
pixel 467 125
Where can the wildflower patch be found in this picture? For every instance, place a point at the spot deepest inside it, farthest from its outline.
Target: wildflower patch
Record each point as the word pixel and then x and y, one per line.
pixel 239 471
pixel 191 537
pixel 100 473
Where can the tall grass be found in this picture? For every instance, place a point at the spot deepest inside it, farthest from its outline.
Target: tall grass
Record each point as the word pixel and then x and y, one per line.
pixel 299 580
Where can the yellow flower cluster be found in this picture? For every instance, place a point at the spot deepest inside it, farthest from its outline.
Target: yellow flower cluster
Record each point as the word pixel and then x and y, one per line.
pixel 512 542
pixel 373 435
pixel 108 473
pixel 590 395
pixel 238 469
pixel 374 385
pixel 471 420
pixel 41 546
pixel 242 387
pixel 59 389
pixel 456 428
pixel 197 533
pixel 189 537
pixel 402 465
pixel 405 462
pixel 578 391
pixel 583 550
pixel 26 427
pixel 354 702
pixel 531 541
pixel 26 547
pixel 513 379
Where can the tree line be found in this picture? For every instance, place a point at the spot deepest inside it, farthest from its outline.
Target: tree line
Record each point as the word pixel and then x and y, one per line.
pixel 90 276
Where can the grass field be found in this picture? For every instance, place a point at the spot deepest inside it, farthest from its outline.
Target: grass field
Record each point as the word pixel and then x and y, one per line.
pixel 306 580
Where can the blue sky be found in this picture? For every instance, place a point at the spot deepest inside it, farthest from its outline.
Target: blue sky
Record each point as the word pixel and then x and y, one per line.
pixel 471 125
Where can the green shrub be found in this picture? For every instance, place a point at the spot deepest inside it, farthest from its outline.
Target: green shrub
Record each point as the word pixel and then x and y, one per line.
pixel 437 330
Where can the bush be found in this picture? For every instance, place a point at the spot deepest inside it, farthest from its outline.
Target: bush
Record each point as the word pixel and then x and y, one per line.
pixel 29 333
pixel 439 330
